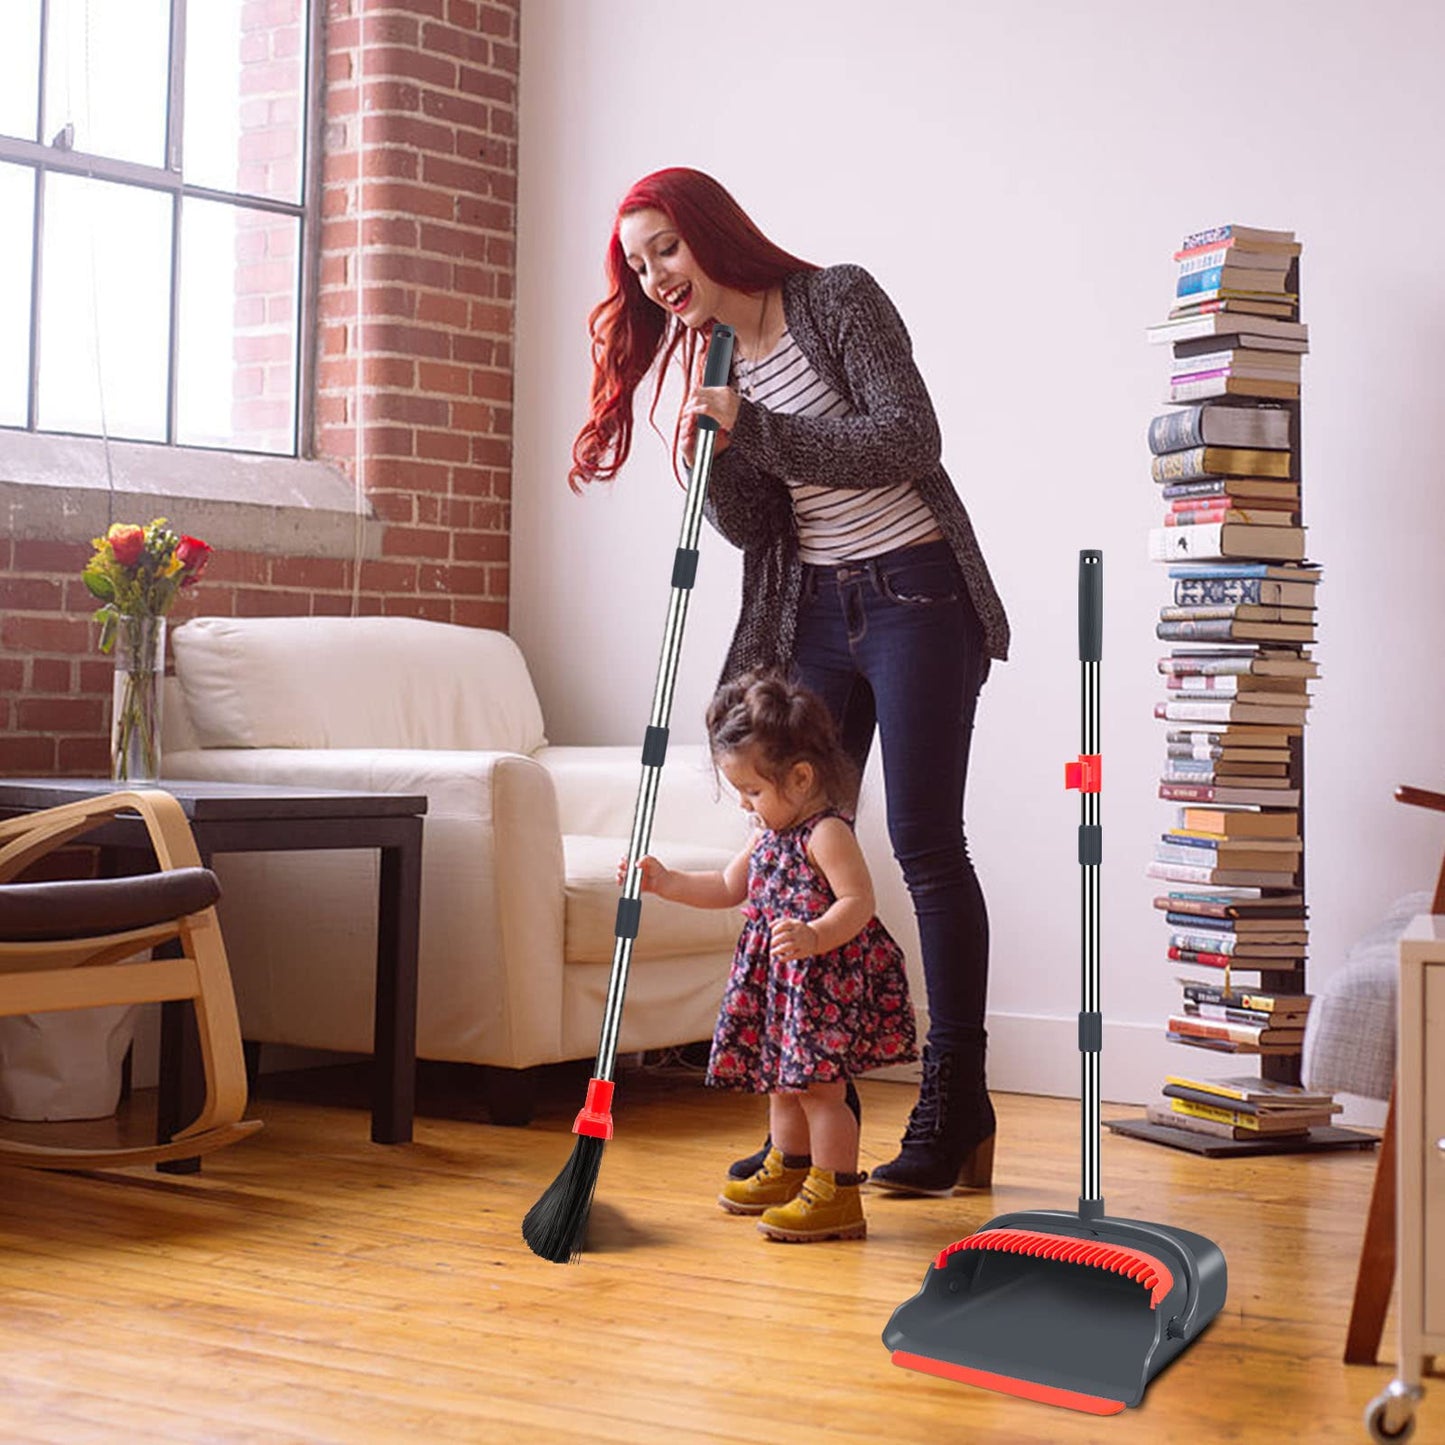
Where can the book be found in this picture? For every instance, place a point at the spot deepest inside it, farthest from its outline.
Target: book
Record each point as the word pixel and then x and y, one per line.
pixel 1202 873
pixel 1198 513
pixel 1236 948
pixel 1247 304
pixel 1159 1114
pixel 1240 662
pixel 1257 1091
pixel 1231 253
pixel 1236 904
pixel 1244 612
pixel 1227 244
pixel 1255 491
pixel 1240 822
pixel 1232 1124
pixel 1224 426
pixel 1227 629
pixel 1212 461
pixel 1194 1027
pixel 1214 322
pixel 1245 235
pixel 1229 1046
pixel 1250 591
pixel 1225 539
pixel 1240 360
pixel 1245 931
pixel 1216 280
pixel 1222 846
pixel 1260 1002
pixel 1228 1013
pixel 1277 572
pixel 1232 966
pixel 1219 793
pixel 1226 710
pixel 1224 383
pixel 1194 345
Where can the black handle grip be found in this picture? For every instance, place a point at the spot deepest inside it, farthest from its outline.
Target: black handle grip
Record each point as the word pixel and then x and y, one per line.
pixel 719 365
pixel 1091 606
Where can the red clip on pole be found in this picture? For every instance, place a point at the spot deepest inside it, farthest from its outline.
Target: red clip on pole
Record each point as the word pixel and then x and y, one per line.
pixel 1085 774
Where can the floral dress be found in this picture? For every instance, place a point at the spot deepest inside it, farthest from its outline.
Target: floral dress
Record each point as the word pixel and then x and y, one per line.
pixel 787 1024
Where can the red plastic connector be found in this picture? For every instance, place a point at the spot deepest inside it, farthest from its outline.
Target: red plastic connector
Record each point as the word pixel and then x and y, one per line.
pixel 1085 775
pixel 595 1116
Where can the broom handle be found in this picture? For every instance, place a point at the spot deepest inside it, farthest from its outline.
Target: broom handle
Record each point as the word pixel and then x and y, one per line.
pixel 654 747
pixel 1091 1019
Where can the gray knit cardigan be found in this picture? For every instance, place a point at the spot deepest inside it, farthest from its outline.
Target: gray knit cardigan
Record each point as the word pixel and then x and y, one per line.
pixel 851 333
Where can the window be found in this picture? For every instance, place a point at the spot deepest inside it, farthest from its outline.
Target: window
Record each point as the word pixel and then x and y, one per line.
pixel 155 219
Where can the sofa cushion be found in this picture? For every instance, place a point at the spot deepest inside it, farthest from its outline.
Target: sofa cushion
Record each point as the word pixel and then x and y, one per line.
pixel 355 682
pixel 668 930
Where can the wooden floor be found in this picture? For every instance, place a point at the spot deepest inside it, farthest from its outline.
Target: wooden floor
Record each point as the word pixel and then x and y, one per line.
pixel 313 1286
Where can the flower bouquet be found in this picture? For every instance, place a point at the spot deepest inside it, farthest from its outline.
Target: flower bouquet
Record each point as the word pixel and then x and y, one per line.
pixel 138 572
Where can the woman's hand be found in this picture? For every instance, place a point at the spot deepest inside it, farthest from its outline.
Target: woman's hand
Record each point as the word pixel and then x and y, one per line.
pixel 653 876
pixel 793 939
pixel 721 404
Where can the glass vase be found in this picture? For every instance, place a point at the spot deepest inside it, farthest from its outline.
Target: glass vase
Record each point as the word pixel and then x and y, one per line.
pixel 135 733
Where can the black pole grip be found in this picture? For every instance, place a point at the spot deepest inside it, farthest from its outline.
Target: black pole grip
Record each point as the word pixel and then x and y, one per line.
pixel 1091 606
pixel 719 365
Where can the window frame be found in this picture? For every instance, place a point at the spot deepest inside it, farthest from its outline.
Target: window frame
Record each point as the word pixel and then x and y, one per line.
pixel 42 157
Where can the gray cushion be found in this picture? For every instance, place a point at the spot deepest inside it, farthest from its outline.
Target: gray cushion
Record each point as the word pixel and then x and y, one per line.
pixel 1349 1042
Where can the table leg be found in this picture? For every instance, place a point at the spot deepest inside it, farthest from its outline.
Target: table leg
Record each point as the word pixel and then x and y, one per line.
pixel 1376 1273
pixel 394 1037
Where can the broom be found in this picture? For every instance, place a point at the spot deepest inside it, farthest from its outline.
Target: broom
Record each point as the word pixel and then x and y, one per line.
pixel 556 1224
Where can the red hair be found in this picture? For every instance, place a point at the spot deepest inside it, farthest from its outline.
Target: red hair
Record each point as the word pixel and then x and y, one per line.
pixel 629 332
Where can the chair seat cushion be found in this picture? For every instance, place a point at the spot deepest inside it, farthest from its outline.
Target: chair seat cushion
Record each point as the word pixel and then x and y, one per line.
pixel 668 930
pixel 91 907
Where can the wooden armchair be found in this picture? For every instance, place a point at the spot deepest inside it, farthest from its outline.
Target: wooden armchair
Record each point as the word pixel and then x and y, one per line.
pixel 74 944
pixel 1376 1272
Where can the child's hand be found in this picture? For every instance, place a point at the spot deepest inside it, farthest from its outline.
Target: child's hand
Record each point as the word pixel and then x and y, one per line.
pixel 793 939
pixel 654 875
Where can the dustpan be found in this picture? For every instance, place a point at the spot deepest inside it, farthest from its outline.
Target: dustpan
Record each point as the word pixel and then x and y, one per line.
pixel 1071 1309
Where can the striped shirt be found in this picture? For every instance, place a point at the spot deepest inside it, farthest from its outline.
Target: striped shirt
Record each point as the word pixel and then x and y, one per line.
pixel 835 524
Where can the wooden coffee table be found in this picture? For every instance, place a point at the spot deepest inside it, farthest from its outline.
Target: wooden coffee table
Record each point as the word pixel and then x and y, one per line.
pixel 257 818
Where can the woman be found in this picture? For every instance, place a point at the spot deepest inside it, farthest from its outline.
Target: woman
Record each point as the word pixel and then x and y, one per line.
pixel 861 574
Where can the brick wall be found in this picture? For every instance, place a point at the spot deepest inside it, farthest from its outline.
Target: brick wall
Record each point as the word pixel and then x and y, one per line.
pixel 420 147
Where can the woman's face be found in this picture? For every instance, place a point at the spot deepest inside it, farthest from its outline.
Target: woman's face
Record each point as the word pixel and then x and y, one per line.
pixel 666 268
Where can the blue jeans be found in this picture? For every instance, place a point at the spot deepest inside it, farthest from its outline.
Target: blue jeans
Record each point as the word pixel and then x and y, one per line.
pixel 893 642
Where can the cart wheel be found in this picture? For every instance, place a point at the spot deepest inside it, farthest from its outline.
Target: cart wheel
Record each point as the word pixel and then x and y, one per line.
pixel 1391 1409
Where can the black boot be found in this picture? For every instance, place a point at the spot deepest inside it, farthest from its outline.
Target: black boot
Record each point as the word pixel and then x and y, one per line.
pixel 746 1168
pixel 950 1134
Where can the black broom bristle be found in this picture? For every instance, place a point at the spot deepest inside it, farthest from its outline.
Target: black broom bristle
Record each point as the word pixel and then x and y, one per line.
pixel 556 1224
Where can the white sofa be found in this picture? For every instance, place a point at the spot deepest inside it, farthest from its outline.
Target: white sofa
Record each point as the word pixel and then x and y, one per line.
pixel 519 889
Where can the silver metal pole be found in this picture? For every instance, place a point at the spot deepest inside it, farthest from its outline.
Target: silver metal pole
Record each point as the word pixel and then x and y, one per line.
pixel 719 363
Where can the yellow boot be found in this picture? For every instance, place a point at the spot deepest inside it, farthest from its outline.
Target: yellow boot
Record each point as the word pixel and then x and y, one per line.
pixel 774 1183
pixel 823 1209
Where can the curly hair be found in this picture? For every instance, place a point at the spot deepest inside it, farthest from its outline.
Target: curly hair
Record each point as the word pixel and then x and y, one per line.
pixel 782 723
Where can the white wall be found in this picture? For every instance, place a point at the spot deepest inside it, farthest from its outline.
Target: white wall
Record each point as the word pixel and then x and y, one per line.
pixel 1017 176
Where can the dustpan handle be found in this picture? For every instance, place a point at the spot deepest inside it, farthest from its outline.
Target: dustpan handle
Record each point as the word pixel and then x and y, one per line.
pixel 654 747
pixel 1091 848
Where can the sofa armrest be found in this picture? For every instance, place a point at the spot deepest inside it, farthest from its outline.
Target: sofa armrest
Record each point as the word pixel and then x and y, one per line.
pixel 493 885
pixel 597 791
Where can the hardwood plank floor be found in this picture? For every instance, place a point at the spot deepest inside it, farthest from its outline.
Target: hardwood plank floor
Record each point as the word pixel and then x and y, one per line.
pixel 313 1286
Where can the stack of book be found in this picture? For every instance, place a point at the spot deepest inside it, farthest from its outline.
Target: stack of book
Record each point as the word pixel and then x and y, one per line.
pixel 1240 619
pixel 1241 1108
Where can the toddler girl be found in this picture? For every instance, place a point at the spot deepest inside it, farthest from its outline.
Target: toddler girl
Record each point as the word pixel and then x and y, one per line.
pixel 817 991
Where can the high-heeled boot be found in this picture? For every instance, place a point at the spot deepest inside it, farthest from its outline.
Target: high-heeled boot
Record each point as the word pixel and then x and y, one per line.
pixel 746 1168
pixel 950 1135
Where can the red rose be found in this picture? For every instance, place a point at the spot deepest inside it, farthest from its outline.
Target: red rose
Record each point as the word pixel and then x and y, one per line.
pixel 193 555
pixel 127 542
